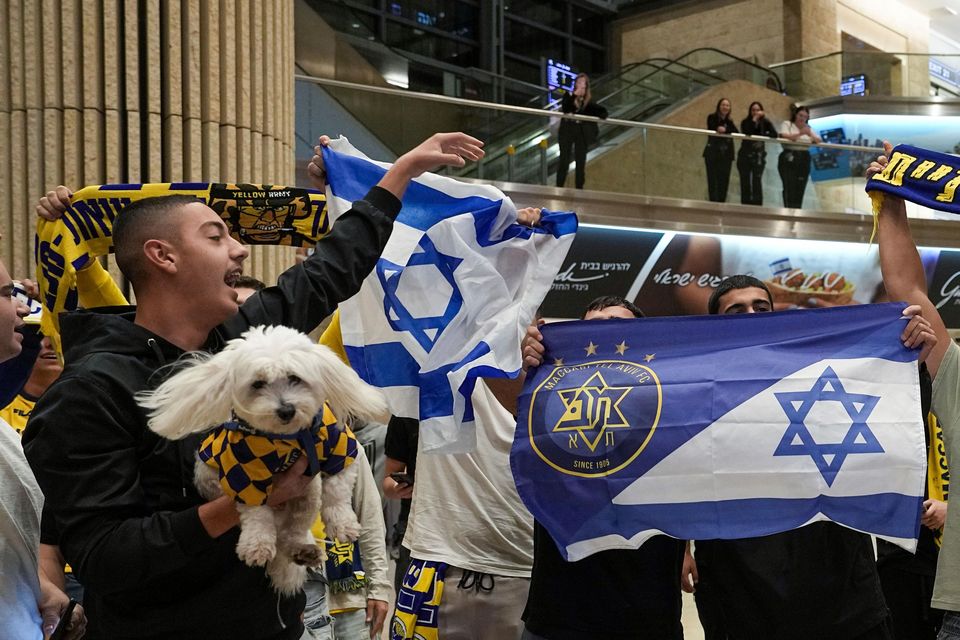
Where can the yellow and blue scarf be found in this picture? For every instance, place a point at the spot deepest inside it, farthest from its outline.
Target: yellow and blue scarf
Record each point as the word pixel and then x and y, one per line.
pixel 344 566
pixel 254 214
pixel 928 178
pixel 246 460
pixel 938 473
pixel 418 603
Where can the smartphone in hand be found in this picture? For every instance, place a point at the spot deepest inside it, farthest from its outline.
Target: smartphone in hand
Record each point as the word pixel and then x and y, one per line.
pixel 402 478
pixel 61 631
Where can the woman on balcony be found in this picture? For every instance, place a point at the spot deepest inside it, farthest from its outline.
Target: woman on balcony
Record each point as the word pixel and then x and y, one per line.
pixel 794 164
pixel 718 154
pixel 576 135
pixel 752 157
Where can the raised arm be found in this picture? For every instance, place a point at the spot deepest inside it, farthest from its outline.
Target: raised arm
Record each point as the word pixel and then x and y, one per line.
pixel 310 291
pixel 903 274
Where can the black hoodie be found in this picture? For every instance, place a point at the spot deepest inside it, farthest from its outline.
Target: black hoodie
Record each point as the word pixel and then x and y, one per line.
pixel 122 499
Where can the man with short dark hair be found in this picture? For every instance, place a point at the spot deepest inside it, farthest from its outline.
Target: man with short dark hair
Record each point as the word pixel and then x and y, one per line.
pixel 246 286
pixel 747 295
pixel 157 560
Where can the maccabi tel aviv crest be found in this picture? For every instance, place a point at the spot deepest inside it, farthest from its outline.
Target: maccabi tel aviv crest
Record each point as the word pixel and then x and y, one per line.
pixel 597 416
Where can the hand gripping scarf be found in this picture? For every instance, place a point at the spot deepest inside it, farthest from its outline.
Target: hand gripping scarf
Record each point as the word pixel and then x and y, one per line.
pixel 254 214
pixel 925 177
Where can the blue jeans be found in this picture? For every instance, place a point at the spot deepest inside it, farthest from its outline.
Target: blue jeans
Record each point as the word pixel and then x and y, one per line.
pixel 316 615
pixel 951 626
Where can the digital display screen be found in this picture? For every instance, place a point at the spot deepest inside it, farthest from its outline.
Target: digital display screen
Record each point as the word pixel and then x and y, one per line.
pixel 559 75
pixel 854 86
pixel 943 72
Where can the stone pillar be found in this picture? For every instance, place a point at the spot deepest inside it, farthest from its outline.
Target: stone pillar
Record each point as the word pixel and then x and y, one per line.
pixel 810 29
pixel 96 91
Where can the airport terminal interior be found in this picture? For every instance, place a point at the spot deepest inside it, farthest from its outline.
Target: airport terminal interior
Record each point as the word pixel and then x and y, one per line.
pixel 692 139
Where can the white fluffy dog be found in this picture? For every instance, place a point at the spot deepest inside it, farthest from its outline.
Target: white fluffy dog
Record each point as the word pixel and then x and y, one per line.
pixel 272 380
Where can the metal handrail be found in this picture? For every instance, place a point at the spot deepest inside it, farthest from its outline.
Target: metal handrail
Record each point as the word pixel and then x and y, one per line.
pixel 766 70
pixel 477 104
pixel 860 53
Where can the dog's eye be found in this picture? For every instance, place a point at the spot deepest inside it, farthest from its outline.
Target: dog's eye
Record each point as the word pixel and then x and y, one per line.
pixel 294 380
pixel 259 384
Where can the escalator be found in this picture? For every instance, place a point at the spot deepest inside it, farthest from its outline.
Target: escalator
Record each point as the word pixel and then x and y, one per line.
pixel 638 92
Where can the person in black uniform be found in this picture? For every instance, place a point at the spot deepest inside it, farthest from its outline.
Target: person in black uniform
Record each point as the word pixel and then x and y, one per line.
pixel 718 154
pixel 576 135
pixel 753 155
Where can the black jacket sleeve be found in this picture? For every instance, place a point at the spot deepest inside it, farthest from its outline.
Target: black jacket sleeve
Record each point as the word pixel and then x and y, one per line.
pixel 713 122
pixel 594 109
pixel 767 129
pixel 88 466
pixel 308 292
pixel 731 128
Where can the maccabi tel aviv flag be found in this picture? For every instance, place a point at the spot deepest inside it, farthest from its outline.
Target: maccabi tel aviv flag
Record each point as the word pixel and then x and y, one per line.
pixel 710 427
pixel 451 296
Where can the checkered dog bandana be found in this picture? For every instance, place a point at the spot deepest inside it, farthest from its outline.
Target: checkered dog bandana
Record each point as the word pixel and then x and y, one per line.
pixel 247 459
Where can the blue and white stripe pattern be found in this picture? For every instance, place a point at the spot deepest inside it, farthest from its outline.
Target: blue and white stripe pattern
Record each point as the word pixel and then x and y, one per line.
pixel 450 297
pixel 712 427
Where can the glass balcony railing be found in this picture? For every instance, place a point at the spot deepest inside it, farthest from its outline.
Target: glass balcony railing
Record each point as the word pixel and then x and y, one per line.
pixel 875 73
pixel 631 157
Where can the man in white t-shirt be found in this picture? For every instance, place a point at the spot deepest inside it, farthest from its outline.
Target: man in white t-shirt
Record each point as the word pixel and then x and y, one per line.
pixel 794 162
pixel 467 514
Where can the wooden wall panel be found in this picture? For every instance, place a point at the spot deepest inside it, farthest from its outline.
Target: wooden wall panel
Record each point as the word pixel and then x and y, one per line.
pixel 18 139
pixel 209 88
pixel 228 92
pixel 52 81
pixel 132 112
pixel 192 140
pixel 6 147
pixel 241 82
pixel 95 91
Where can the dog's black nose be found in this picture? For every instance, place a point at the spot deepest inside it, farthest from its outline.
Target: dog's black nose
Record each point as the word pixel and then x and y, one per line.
pixel 286 411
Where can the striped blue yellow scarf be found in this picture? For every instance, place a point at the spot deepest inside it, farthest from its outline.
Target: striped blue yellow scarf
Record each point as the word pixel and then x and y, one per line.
pixel 255 214
pixel 246 460
pixel 344 566
pixel 418 603
pixel 938 473
pixel 928 178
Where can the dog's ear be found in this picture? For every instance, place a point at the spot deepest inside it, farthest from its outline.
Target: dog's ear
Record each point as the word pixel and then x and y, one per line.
pixel 194 399
pixel 347 393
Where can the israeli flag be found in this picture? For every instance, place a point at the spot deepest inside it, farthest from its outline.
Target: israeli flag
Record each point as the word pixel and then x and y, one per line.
pixel 451 296
pixel 724 427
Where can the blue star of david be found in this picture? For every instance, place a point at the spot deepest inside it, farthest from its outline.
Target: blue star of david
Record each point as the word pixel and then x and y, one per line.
pixel 798 441
pixel 401 319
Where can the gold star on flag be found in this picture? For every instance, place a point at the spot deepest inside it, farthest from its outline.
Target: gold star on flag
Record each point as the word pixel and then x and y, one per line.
pixel 558 362
pixel 622 347
pixel 591 349
pixel 649 357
